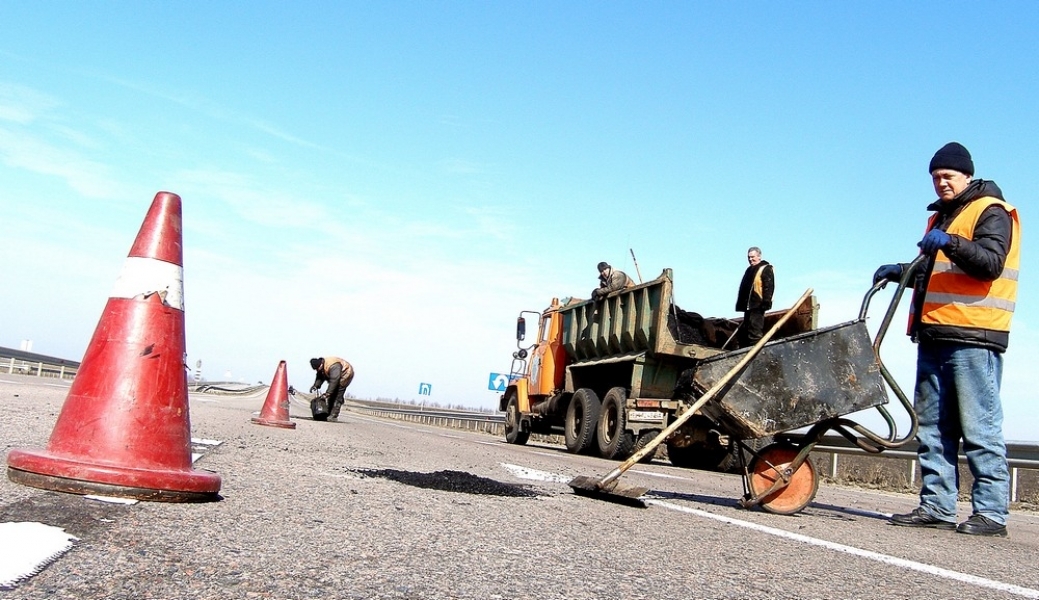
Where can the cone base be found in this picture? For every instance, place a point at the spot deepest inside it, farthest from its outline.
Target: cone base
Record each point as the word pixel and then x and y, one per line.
pixel 274 423
pixel 44 470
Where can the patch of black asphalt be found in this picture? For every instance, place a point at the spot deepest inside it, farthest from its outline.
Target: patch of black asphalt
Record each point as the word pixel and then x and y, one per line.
pixel 73 513
pixel 452 481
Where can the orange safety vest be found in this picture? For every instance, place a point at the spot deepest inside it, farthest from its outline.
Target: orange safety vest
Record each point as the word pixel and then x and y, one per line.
pixel 954 298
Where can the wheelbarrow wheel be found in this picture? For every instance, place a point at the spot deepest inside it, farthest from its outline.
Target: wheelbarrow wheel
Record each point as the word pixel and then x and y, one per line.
pixel 765 470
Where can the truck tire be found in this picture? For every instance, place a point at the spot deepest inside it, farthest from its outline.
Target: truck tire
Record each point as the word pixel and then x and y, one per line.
pixel 706 455
pixel 582 415
pixel 614 439
pixel 643 440
pixel 514 432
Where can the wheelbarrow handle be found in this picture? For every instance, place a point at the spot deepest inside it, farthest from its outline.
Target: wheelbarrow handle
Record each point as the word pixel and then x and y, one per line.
pixel 908 273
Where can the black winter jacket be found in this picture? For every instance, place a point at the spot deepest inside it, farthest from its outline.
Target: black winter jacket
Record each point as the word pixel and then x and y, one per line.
pixel 982 258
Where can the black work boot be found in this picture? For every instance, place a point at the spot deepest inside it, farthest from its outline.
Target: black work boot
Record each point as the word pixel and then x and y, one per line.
pixel 981 525
pixel 921 518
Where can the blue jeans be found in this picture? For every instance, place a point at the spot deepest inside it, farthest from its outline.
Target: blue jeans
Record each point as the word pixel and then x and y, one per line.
pixel 957 396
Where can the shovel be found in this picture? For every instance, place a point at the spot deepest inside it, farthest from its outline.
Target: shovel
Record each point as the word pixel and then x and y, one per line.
pixel 607 488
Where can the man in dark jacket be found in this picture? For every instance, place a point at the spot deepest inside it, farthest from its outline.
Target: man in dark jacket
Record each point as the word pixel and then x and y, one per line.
pixel 610 280
pixel 964 296
pixel 338 373
pixel 755 297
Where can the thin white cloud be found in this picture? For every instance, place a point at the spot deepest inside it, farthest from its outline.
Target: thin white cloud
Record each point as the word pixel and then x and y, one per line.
pixel 23 105
pixel 91 178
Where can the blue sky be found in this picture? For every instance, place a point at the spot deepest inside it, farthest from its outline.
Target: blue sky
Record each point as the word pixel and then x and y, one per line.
pixel 393 182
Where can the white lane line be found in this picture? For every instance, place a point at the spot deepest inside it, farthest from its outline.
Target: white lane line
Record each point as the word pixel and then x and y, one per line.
pixel 660 475
pixel 384 422
pixel 867 554
pixel 57 385
pixel 534 474
pixel 453 437
pixel 110 499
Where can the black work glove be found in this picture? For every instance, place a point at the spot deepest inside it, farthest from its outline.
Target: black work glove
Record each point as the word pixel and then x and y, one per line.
pixel 888 272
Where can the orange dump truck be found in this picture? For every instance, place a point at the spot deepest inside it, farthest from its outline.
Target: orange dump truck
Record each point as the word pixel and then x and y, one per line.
pixel 604 374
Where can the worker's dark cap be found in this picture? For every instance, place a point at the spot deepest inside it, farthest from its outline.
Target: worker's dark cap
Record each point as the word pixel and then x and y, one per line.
pixel 603 266
pixel 952 156
pixel 315 363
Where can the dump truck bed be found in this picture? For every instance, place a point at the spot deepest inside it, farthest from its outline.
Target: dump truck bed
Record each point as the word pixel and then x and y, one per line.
pixel 643 321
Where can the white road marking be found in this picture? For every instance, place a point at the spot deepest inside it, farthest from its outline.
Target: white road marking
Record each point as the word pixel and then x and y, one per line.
pixel 205 442
pixel 111 499
pixel 661 475
pixel 383 422
pixel 57 385
pixel 867 554
pixel 527 473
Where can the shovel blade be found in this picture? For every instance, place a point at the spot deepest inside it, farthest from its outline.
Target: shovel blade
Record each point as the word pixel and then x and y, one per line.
pixel 611 492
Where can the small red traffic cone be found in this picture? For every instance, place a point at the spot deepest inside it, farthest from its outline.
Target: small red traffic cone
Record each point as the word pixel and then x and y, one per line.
pixel 275 411
pixel 124 429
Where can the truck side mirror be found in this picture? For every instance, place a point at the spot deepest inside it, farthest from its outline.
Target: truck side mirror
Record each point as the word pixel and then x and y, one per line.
pixel 521 329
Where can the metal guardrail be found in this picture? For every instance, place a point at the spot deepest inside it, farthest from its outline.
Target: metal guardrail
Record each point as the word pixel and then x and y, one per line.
pixel 12 365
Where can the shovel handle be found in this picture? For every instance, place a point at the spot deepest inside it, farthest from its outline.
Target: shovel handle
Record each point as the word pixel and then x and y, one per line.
pixel 717 387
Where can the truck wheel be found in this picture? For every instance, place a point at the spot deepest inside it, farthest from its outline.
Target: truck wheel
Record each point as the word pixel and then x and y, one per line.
pixel 582 415
pixel 699 451
pixel 615 441
pixel 643 440
pixel 514 432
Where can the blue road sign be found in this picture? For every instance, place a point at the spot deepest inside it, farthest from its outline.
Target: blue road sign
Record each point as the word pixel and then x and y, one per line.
pixel 498 382
pixel 425 389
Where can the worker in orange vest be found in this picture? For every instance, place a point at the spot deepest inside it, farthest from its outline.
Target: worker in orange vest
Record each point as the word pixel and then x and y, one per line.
pixel 963 299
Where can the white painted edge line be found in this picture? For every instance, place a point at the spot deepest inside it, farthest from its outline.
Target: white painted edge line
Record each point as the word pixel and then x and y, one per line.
pixel 205 442
pixel 195 456
pixel 111 499
pixel 453 437
pixel 57 385
pixel 867 554
pixel 660 475
pixel 27 548
pixel 383 422
pixel 528 473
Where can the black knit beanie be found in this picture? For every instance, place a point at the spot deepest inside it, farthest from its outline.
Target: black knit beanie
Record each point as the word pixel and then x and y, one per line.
pixel 603 266
pixel 315 363
pixel 952 156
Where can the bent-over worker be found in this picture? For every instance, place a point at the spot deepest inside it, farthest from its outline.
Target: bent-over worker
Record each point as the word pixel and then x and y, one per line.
pixel 338 373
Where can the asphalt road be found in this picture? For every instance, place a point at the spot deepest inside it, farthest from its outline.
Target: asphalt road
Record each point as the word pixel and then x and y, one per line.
pixel 368 508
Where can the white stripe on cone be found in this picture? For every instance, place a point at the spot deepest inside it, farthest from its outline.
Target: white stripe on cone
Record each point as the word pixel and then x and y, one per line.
pixel 142 277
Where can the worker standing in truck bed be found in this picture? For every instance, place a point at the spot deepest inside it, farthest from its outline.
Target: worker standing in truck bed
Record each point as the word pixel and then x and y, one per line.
pixel 755 297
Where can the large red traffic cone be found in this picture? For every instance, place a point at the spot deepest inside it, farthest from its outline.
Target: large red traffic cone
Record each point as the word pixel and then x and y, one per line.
pixel 124 428
pixel 275 411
